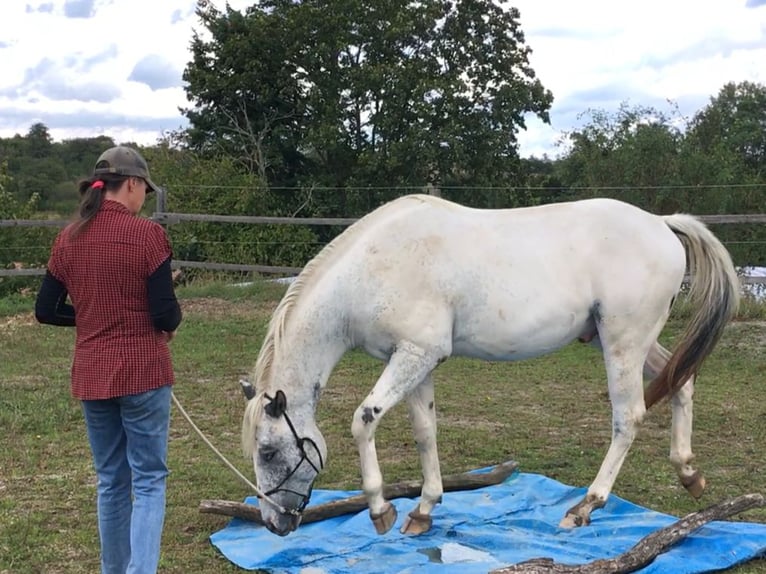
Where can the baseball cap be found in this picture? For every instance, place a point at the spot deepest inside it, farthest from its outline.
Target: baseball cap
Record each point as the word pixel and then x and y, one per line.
pixel 123 160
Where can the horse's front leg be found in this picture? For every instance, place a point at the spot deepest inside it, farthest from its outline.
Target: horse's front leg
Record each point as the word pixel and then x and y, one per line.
pixel 423 419
pixel 407 367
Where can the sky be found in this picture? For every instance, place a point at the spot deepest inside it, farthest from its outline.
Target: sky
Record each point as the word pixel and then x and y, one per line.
pixel 90 67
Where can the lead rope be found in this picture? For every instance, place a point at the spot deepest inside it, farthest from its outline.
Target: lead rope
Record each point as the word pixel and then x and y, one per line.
pixel 256 490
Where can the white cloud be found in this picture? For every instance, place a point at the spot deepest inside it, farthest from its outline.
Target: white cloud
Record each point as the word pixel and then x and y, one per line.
pixel 107 66
pixel 598 53
pixel 114 66
pixel 156 72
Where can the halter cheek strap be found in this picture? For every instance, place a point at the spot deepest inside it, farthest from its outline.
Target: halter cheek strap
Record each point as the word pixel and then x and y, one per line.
pixel 300 442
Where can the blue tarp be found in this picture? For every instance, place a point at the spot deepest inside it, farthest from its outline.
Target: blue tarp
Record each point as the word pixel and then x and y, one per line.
pixel 479 530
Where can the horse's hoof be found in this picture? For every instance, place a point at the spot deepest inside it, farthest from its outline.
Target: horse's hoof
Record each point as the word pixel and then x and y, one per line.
pixel 694 484
pixel 385 520
pixel 417 523
pixel 573 521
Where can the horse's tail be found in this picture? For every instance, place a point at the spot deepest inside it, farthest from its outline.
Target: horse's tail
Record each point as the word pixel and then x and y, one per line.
pixel 714 294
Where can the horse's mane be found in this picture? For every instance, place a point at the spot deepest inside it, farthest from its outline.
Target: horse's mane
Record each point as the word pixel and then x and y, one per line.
pixel 281 315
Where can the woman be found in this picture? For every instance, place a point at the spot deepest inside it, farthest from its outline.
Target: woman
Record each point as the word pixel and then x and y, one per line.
pixel 115 268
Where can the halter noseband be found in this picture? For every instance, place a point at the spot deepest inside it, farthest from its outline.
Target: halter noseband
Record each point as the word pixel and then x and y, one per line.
pixel 300 442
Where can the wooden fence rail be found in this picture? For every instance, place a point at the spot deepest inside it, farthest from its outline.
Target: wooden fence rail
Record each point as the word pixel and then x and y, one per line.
pixel 172 218
pixel 34 222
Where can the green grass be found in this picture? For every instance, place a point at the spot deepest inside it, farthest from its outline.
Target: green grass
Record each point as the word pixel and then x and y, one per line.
pixel 17 303
pixel 549 414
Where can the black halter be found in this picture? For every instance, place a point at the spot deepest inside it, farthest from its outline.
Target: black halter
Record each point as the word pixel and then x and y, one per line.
pixel 300 442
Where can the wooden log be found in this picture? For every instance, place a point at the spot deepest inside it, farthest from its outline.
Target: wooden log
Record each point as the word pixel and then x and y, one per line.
pixel 647 549
pixel 356 503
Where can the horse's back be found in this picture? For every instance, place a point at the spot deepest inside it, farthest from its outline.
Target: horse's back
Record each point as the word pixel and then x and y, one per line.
pixel 431 232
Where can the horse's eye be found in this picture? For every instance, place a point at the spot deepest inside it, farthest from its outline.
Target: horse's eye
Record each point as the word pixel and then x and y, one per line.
pixel 267 454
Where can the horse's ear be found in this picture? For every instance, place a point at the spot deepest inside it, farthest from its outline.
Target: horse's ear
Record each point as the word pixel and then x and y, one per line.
pixel 277 406
pixel 247 388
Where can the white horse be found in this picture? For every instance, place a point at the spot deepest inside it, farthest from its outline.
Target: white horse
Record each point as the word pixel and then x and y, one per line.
pixel 421 279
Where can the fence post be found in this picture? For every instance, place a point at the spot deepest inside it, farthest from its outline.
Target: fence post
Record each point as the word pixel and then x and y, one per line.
pixel 433 176
pixel 431 189
pixel 161 202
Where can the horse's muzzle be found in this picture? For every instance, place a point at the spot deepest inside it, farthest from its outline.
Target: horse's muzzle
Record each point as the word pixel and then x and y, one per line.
pixel 283 524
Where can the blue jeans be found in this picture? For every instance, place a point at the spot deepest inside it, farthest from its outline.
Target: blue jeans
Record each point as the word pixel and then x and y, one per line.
pixel 129 441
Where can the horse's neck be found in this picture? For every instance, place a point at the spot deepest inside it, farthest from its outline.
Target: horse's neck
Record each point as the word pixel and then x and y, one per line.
pixel 312 346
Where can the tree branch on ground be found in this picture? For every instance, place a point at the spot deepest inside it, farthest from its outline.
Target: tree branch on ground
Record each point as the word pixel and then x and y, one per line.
pixel 648 548
pixel 357 503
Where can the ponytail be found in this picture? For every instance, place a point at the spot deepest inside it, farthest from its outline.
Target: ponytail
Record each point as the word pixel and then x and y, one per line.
pixel 92 192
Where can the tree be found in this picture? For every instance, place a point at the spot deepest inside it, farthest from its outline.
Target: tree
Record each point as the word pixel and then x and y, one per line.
pixel 79 155
pixel 245 92
pixel 38 141
pixel 363 92
pixel 724 153
pixel 732 129
pixel 49 169
pixel 631 154
pixel 40 176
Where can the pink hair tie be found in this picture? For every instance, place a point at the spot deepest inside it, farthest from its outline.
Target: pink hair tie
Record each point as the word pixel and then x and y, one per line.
pixel 97 184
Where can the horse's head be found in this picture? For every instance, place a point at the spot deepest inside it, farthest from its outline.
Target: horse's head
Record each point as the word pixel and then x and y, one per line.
pixel 288 451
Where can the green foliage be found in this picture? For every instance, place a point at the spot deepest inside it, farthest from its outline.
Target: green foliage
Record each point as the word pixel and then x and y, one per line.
pixel 714 164
pixel 732 130
pixel 347 94
pixel 371 109
pixel 634 146
pixel 37 179
pixel 218 185
pixel 47 169
pixel 26 246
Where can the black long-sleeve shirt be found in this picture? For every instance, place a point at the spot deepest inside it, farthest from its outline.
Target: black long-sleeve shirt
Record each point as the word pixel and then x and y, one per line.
pixel 51 307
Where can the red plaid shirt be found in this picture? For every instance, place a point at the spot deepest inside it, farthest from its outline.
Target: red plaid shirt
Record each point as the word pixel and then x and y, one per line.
pixel 117 350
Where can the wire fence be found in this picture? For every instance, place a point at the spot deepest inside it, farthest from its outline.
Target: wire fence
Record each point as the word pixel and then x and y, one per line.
pixel 38 247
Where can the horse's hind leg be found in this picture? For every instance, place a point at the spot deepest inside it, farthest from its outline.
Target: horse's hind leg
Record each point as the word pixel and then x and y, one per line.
pixel 681 427
pixel 423 418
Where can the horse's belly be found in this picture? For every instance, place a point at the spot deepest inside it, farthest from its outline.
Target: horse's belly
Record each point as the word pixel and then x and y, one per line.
pixel 498 341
